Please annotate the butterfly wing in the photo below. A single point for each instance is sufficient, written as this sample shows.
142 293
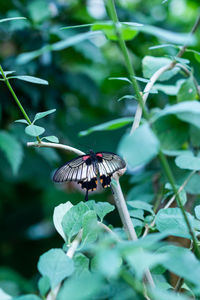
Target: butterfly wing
108 164
80 169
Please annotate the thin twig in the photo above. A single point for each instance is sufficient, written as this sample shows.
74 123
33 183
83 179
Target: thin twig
107 229
56 146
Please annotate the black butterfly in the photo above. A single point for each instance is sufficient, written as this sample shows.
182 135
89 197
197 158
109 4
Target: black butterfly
85 169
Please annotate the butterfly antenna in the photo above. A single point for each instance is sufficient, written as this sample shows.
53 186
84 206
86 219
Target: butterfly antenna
86 195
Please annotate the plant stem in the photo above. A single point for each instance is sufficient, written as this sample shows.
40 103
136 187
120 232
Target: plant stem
117 26
170 177
57 146
16 98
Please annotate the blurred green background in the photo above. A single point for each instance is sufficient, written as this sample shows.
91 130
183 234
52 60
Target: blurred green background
83 96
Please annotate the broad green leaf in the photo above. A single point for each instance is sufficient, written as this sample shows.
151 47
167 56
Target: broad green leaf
110 125
195 136
81 264
193 186
141 205
39 11
12 150
30 79
43 114
102 209
58 214
22 121
4 295
108 28
43 285
182 193
12 19
84 287
34 130
56 265
187 90
166 35
140 260
72 220
188 162
171 220
160 293
176 263
140 147
89 228
168 89
27 297
187 111
151 64
197 211
111 269
51 138
171 132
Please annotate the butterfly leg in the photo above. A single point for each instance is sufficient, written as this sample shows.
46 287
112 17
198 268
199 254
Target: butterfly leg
86 195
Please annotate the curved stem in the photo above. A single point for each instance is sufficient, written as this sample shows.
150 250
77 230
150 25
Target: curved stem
56 146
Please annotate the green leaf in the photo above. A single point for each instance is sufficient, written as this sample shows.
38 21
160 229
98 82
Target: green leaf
171 220
27 297
187 111
43 285
111 269
39 11
187 90
72 220
56 265
4 295
159 293
126 97
89 227
58 214
193 186
61 45
197 211
51 138
34 130
140 260
141 205
12 19
43 114
171 90
84 287
30 79
110 125
171 132
176 263
102 209
12 149
151 64
21 121
81 264
166 35
108 28
120 78
188 162
140 147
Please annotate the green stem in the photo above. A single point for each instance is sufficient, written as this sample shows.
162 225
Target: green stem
170 177
16 98
117 26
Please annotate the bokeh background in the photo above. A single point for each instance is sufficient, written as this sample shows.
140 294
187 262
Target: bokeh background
83 96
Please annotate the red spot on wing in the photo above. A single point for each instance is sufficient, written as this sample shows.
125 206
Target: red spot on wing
86 157
100 155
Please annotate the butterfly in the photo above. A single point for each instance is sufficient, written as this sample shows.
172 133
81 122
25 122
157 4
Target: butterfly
87 169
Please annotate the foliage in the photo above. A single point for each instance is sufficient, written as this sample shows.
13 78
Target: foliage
66 73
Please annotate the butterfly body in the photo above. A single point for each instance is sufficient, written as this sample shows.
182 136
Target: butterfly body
87 169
